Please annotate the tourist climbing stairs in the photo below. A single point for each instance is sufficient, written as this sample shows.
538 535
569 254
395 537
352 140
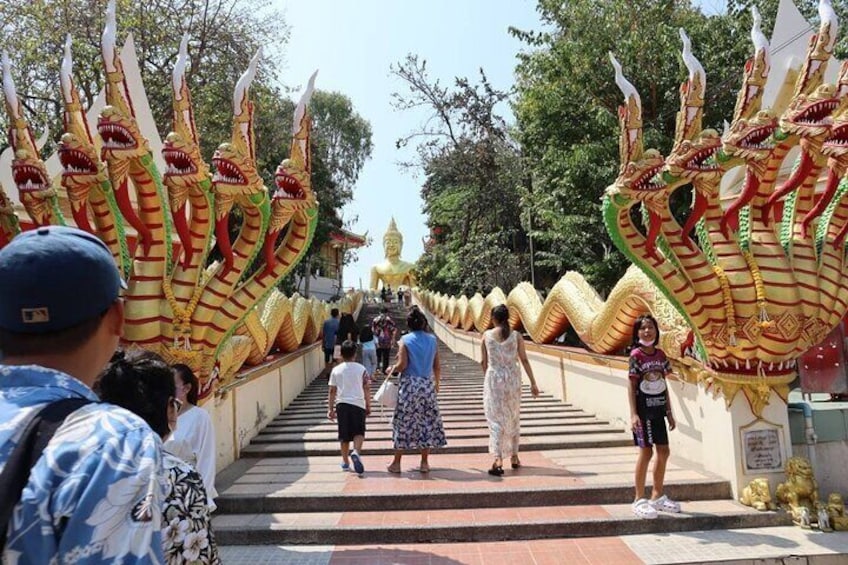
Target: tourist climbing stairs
575 478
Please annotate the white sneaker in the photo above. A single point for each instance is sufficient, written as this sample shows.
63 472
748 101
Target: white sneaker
357 463
642 508
665 504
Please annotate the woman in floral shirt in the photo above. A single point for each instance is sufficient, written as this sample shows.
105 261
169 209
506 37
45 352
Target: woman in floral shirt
143 383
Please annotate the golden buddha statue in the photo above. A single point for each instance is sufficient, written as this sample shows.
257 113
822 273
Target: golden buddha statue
393 272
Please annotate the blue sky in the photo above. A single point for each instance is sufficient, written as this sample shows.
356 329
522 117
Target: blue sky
354 43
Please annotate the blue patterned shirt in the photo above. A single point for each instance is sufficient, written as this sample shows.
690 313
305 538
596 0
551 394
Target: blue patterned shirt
95 495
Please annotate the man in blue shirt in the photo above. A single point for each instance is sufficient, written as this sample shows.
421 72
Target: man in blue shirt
329 331
94 495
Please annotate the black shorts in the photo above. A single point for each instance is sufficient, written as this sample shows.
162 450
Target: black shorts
351 420
653 432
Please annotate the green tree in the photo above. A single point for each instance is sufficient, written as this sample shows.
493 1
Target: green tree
567 102
341 144
223 36
472 188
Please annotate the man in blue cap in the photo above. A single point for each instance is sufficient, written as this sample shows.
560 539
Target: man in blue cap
92 495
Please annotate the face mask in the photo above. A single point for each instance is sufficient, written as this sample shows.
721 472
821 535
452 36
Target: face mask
644 343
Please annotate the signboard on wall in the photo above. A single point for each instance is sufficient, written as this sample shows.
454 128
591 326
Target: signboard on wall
763 449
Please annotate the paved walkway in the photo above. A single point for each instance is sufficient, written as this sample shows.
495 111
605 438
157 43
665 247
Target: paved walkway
750 546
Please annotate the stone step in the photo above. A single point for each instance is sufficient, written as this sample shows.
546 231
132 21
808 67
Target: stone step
475 409
609 438
480 524
478 497
444 403
575 479
310 483
376 422
320 416
384 433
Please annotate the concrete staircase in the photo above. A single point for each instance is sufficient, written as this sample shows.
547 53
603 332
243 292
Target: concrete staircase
575 479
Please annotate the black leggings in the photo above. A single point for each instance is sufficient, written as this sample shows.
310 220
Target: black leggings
383 358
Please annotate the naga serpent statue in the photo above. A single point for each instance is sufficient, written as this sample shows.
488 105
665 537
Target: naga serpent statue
744 293
215 317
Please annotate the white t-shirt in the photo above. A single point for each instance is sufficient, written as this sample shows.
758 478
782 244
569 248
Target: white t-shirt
194 442
348 377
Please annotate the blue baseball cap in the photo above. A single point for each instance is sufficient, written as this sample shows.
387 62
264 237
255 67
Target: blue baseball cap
53 278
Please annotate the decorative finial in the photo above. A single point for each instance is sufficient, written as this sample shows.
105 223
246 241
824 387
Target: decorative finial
109 38
692 64
759 39
827 16
304 102
66 72
244 82
9 88
180 68
624 85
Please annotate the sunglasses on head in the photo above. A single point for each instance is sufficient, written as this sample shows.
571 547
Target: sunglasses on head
176 404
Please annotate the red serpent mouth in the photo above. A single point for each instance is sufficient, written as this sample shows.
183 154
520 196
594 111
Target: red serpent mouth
288 187
227 172
758 138
115 136
178 162
29 178
651 180
75 162
817 113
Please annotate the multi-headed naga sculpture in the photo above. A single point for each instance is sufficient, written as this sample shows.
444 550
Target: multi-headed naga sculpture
211 318
744 293
755 292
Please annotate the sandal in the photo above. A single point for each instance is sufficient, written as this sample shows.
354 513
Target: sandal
665 504
643 509
424 468
393 469
496 470
516 462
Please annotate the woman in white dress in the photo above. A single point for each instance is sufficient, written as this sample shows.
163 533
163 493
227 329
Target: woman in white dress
194 438
501 350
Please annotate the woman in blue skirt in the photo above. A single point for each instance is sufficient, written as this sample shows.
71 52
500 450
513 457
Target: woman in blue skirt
417 424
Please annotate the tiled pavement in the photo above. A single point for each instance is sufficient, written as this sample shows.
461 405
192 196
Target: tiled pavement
751 546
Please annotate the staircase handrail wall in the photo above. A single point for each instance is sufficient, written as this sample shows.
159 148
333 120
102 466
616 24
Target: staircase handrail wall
708 431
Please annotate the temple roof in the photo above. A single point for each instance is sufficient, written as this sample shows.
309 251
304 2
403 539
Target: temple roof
340 236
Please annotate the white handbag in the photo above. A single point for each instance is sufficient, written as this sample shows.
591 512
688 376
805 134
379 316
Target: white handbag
387 394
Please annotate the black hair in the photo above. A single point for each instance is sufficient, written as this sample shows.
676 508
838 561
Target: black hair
334 313
416 319
141 382
500 314
638 324
348 350
347 325
384 310
14 344
188 377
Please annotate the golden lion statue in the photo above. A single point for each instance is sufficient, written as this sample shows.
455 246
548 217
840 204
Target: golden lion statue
800 489
757 495
836 512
